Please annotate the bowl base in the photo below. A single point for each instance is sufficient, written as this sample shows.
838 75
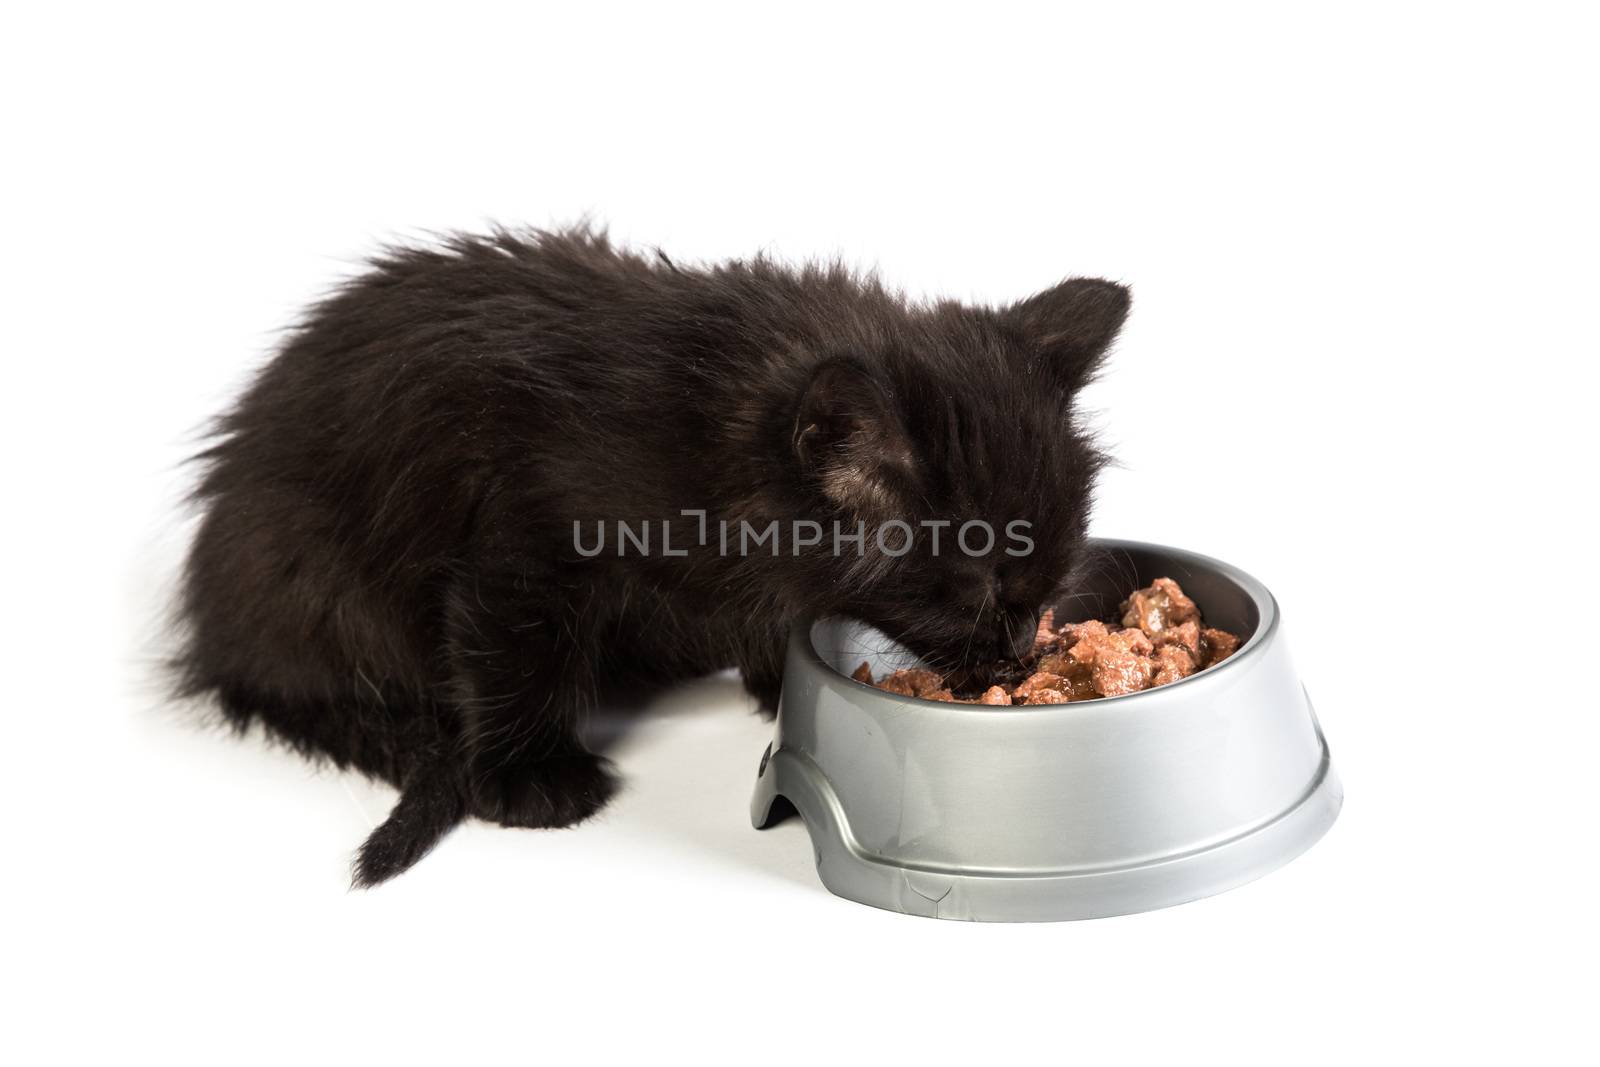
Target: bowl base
855 873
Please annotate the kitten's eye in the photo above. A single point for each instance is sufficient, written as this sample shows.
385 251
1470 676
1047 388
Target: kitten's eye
1029 590
1014 588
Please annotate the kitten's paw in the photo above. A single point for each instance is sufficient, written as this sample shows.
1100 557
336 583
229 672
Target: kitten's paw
549 793
767 691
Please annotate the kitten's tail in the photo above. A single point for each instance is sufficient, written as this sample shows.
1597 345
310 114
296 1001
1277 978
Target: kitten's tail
430 806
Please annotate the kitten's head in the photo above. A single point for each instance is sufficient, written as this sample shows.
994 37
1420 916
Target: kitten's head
960 426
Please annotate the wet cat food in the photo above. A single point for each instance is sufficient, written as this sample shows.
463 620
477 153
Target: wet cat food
1159 637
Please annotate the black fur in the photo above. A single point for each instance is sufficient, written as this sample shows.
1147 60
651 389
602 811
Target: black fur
385 572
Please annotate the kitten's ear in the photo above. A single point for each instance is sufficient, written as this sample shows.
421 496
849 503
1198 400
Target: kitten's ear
850 439
1072 325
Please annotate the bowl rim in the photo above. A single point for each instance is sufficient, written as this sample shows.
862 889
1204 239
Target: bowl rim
1266 607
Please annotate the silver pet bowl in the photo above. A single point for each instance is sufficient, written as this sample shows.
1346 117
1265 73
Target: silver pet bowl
1067 811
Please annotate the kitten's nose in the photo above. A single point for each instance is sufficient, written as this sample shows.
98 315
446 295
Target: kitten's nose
1022 626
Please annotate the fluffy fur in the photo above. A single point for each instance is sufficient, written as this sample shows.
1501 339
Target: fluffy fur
385 572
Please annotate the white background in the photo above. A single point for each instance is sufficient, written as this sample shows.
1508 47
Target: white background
1363 245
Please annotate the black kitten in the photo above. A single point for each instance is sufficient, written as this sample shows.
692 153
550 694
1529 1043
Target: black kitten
397 565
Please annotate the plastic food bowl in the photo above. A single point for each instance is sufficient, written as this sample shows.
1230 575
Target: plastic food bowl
1066 811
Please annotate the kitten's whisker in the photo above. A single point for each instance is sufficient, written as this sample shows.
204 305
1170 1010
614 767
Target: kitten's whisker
976 620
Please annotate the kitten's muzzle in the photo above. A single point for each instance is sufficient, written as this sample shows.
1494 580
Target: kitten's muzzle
1019 629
